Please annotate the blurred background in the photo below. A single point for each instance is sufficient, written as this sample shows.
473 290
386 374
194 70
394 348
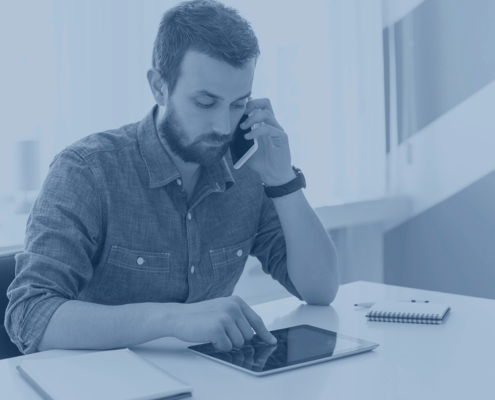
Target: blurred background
388 104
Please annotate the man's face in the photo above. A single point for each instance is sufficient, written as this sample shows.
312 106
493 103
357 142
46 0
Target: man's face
205 108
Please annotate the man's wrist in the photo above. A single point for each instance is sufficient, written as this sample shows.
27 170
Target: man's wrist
166 317
280 180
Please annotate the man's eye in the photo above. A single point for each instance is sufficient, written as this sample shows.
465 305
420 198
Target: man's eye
236 106
204 105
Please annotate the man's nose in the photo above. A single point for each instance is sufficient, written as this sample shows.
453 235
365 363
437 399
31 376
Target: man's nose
221 125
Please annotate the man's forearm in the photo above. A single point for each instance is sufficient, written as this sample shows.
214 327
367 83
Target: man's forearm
81 325
311 255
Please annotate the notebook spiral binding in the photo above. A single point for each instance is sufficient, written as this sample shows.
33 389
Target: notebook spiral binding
404 317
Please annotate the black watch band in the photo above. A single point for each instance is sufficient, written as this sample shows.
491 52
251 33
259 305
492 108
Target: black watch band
278 191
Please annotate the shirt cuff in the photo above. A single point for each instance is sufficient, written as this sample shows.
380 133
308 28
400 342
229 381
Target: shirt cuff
35 323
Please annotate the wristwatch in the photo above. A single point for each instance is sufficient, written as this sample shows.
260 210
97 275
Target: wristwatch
278 191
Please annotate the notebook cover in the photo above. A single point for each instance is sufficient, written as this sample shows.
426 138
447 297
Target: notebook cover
102 375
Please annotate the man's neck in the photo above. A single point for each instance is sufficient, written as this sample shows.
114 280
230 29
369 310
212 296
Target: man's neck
189 171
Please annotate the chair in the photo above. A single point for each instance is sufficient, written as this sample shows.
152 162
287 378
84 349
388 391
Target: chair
7 274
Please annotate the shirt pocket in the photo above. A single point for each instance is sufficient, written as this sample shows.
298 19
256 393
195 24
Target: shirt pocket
132 276
228 264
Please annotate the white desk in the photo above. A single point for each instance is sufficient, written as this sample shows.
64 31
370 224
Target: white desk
449 361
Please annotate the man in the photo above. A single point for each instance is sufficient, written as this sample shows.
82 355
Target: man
143 232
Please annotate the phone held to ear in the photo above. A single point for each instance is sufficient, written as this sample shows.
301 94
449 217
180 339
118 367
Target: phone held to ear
240 148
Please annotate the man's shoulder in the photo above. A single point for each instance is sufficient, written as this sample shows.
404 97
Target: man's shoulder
110 141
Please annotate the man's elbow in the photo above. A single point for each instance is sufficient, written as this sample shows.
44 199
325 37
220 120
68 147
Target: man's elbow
321 299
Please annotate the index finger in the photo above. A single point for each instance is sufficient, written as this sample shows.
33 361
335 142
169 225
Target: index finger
257 323
263 104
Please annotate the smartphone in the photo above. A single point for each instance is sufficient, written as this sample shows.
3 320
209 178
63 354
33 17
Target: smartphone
240 148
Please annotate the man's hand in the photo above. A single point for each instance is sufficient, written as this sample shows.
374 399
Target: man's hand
226 322
272 160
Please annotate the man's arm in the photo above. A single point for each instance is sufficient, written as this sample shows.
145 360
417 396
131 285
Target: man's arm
81 325
62 236
225 322
311 255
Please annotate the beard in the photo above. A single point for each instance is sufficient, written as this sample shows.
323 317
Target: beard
171 130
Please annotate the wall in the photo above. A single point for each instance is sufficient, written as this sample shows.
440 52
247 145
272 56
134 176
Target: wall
74 67
442 125
449 247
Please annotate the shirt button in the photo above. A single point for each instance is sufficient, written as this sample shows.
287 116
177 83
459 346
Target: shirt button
192 269
239 253
140 260
179 182
189 216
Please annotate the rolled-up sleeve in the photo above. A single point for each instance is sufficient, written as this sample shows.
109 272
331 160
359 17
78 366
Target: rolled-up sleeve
62 237
269 246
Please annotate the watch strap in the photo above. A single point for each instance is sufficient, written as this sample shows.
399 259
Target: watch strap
299 182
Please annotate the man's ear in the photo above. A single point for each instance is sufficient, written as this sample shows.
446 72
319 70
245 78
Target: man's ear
158 87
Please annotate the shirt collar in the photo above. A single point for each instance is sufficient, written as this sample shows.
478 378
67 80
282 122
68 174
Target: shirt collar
161 168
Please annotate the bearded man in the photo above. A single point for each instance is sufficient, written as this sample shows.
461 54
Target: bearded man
143 232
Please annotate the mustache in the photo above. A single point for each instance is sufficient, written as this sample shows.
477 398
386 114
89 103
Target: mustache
215 137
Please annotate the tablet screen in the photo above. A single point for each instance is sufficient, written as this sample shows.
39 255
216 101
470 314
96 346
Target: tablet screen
295 345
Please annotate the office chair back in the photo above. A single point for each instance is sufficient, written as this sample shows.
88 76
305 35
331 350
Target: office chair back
7 274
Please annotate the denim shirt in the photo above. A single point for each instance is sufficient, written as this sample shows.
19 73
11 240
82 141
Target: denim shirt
112 226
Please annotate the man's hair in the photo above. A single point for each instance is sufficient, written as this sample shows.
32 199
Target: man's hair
206 26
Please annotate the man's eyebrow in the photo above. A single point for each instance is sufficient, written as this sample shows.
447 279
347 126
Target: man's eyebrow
206 93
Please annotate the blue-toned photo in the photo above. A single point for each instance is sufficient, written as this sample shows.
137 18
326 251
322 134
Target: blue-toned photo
258 199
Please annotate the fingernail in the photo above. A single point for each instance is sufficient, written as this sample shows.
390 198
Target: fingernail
243 125
273 340
246 136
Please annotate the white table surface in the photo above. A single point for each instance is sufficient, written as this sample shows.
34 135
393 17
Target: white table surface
454 360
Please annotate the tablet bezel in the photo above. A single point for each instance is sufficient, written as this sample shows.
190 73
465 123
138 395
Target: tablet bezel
361 347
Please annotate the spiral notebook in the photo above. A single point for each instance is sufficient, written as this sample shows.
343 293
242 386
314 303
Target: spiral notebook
416 313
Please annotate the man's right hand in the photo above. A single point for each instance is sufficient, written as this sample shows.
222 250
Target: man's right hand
225 322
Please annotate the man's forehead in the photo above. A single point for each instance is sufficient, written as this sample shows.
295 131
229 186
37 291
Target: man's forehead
206 75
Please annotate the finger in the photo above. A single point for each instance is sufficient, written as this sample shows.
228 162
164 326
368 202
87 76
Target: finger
268 131
261 117
257 323
221 341
258 103
235 335
244 328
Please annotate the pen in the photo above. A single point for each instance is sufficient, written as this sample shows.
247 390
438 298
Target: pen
401 301
364 304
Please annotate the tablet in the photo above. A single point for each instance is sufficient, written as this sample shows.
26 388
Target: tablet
296 347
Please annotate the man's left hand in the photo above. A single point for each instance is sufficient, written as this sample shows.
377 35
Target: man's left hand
272 160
